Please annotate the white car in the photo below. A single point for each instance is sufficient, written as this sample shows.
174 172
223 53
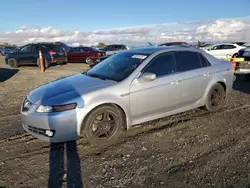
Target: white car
224 50
115 48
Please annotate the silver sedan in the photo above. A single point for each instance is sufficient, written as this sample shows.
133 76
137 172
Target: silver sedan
129 88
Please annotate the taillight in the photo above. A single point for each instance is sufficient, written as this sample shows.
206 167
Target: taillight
99 54
52 52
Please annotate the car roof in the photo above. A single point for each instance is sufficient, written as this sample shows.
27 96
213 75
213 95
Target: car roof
225 44
172 43
151 50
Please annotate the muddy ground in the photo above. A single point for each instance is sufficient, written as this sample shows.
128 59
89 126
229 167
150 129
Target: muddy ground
192 149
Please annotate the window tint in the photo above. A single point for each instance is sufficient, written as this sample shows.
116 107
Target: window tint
26 49
83 50
163 64
57 48
228 47
204 61
246 54
218 47
188 61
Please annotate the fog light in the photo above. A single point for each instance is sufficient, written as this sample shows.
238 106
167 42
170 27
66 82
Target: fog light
49 133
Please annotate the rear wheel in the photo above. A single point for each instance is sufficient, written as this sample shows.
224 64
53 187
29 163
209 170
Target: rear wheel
13 63
215 98
103 126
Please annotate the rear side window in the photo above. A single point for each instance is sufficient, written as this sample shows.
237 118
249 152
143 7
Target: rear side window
162 65
229 47
188 61
246 54
204 61
57 48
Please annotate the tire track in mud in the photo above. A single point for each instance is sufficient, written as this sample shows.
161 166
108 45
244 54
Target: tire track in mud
25 145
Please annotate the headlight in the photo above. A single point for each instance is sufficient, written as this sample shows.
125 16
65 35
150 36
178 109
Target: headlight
56 108
44 109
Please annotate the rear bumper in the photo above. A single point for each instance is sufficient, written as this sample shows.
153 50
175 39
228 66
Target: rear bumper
59 60
242 68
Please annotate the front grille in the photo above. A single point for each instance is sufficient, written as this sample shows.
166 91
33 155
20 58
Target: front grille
26 105
36 130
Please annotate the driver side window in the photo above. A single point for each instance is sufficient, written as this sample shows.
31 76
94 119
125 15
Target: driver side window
26 49
162 65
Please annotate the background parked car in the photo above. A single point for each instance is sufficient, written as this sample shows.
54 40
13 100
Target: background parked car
175 44
29 55
242 60
87 55
8 49
100 59
115 48
224 50
1 52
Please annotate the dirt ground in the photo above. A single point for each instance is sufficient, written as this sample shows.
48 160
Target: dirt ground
192 149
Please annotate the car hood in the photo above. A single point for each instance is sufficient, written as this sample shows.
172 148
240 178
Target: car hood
66 89
11 54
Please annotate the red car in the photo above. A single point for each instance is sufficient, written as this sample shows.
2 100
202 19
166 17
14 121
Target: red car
174 44
84 55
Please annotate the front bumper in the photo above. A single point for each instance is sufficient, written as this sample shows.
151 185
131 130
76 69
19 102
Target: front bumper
65 125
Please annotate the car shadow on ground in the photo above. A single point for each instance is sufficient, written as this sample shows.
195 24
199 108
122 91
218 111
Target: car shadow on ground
242 84
58 175
6 74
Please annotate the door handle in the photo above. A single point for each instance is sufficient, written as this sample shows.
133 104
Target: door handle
174 82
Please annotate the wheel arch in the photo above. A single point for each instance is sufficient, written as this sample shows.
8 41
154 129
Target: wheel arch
216 80
119 107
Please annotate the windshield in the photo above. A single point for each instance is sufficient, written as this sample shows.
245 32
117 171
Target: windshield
117 67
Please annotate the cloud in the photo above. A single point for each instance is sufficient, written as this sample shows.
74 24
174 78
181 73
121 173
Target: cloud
236 29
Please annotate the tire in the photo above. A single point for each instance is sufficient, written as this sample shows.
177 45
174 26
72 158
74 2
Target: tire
104 126
46 63
13 63
215 98
89 61
235 55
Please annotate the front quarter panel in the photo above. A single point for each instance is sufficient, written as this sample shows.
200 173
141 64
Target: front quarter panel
117 95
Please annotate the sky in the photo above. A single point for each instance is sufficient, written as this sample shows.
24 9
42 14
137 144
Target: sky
132 21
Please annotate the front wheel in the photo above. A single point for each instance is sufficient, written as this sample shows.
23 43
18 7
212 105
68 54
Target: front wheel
215 98
89 61
13 63
103 126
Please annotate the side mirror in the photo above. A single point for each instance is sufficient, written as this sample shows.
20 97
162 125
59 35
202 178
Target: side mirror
146 77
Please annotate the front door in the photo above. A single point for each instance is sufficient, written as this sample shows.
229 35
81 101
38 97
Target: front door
28 54
158 96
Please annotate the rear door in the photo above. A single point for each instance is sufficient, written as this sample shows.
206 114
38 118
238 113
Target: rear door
195 70
57 52
228 51
73 55
84 53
